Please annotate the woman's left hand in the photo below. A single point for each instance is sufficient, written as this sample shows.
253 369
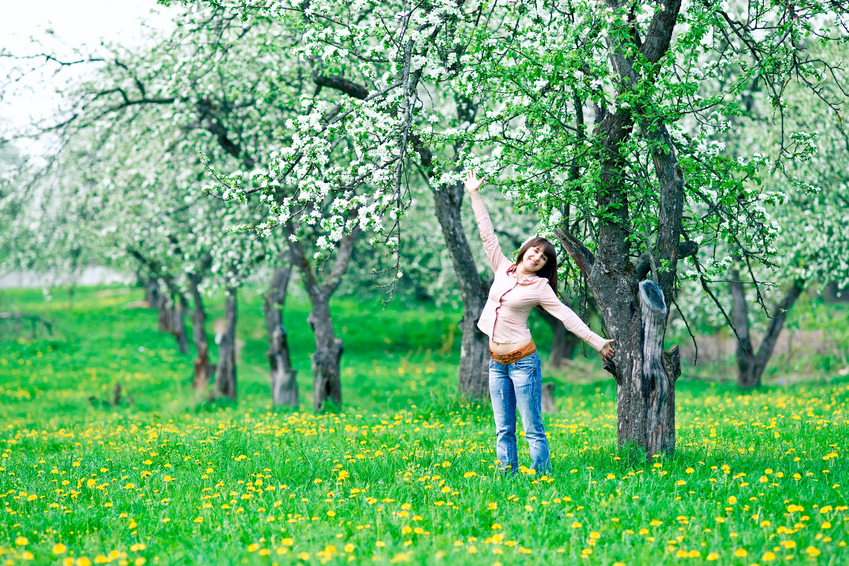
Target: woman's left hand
607 350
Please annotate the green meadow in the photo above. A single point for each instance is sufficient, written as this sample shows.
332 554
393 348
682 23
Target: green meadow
404 472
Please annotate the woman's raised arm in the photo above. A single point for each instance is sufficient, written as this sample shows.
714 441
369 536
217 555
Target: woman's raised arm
490 241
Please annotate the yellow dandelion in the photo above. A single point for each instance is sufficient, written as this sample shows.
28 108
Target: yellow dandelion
59 548
741 552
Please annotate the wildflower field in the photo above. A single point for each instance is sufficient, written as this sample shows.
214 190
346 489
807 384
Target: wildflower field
404 473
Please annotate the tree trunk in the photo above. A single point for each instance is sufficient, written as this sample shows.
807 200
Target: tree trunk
151 292
328 348
178 325
203 369
612 279
740 319
751 365
327 356
225 374
547 402
165 313
563 342
284 386
474 348
610 275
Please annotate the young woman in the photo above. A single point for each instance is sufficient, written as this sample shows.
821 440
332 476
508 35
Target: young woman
515 374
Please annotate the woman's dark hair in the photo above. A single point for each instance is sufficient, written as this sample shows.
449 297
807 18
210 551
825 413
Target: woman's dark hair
549 270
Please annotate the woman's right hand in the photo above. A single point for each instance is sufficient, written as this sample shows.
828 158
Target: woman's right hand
472 182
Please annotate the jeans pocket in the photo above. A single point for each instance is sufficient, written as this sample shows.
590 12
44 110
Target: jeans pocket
525 371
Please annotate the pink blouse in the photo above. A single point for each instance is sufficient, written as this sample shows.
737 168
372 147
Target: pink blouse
505 316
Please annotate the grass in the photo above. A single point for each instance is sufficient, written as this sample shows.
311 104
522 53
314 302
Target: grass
404 474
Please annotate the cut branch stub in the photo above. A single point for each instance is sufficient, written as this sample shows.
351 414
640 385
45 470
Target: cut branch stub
655 383
653 310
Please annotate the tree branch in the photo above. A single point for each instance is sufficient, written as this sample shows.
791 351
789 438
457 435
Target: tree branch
576 250
343 258
342 84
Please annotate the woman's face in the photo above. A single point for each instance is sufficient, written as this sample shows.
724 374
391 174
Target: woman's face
534 259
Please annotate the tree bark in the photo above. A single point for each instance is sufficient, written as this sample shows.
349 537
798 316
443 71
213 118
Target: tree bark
751 365
225 374
151 292
284 386
328 348
740 318
178 325
165 314
656 384
203 369
547 402
473 375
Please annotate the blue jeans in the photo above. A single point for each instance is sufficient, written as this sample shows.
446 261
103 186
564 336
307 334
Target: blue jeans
518 385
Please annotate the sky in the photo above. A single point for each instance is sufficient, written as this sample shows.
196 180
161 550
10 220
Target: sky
74 23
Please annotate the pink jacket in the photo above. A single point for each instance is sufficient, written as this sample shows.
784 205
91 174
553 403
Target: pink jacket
505 316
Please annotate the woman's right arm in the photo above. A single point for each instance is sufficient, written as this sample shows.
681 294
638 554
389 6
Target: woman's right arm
487 233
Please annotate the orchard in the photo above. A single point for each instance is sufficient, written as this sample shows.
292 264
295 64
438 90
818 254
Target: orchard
299 371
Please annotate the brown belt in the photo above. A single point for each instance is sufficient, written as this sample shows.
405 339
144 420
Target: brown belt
515 355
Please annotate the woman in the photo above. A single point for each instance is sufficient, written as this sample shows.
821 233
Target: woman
515 373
